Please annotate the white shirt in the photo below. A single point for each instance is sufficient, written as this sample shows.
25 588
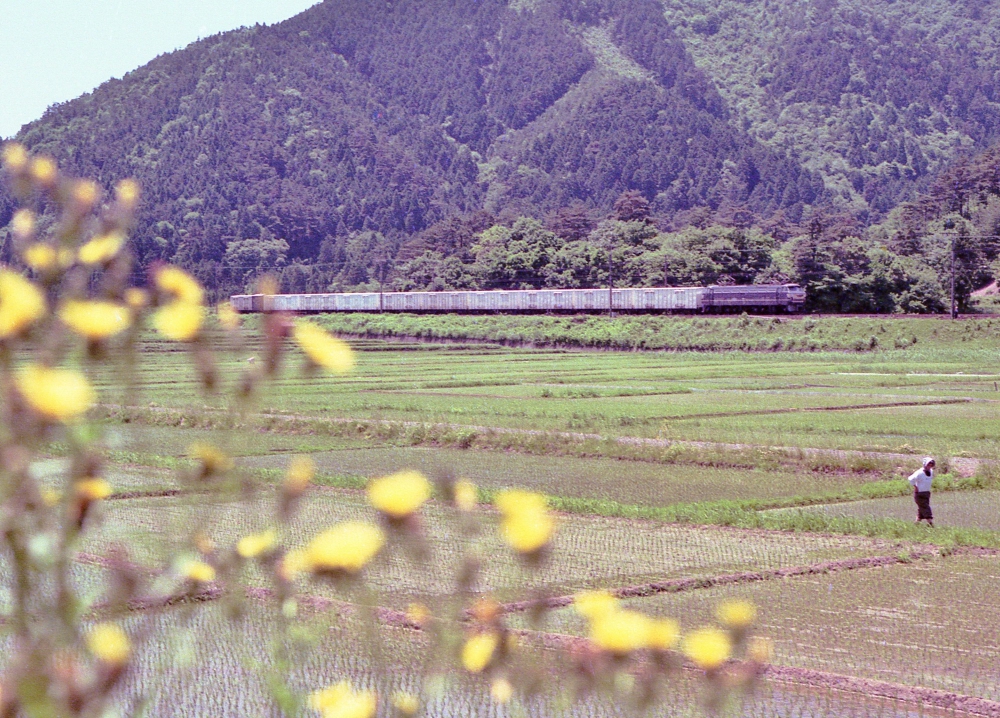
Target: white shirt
921 481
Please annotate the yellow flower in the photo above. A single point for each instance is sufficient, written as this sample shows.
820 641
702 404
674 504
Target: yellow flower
254 545
108 643
14 157
348 546
736 614
418 613
21 303
179 321
179 284
92 489
594 604
620 631
94 319
406 703
23 223
56 394
399 495
664 634
322 348
101 249
341 701
85 193
203 542
501 691
40 256
466 495
136 298
526 524
127 193
708 648
514 501
760 649
478 651
229 318
197 571
43 170
213 460
293 563
300 474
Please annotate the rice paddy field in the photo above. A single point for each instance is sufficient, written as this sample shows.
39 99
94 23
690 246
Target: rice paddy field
680 479
972 509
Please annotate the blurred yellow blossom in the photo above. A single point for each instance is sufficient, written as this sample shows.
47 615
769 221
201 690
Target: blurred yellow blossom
50 496
736 614
179 285
664 633
23 223
179 321
197 571
85 193
486 609
418 613
229 318
108 643
708 648
293 563
322 348
56 394
760 649
466 495
593 604
213 460
92 489
620 631
254 545
478 651
341 701
136 298
406 703
348 546
21 303
501 691
127 193
203 542
40 256
400 494
94 319
526 525
14 157
101 249
43 170
300 474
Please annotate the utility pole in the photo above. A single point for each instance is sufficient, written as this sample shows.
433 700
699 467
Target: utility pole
611 282
954 311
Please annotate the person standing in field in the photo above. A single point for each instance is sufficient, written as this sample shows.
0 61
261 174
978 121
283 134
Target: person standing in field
921 481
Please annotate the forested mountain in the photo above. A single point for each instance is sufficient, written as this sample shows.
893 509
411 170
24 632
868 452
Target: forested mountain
366 140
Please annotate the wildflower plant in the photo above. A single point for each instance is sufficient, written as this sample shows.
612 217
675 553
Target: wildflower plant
73 310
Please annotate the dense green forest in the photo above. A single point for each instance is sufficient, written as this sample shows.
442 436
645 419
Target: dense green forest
481 143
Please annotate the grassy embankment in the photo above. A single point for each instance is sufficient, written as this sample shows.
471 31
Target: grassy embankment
701 333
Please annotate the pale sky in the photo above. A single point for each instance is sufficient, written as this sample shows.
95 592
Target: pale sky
54 50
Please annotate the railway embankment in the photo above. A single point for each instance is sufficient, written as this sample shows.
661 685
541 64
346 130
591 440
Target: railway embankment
760 333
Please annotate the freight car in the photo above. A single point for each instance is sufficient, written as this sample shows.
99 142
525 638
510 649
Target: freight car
754 298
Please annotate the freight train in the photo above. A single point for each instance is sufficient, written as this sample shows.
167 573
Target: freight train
717 299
